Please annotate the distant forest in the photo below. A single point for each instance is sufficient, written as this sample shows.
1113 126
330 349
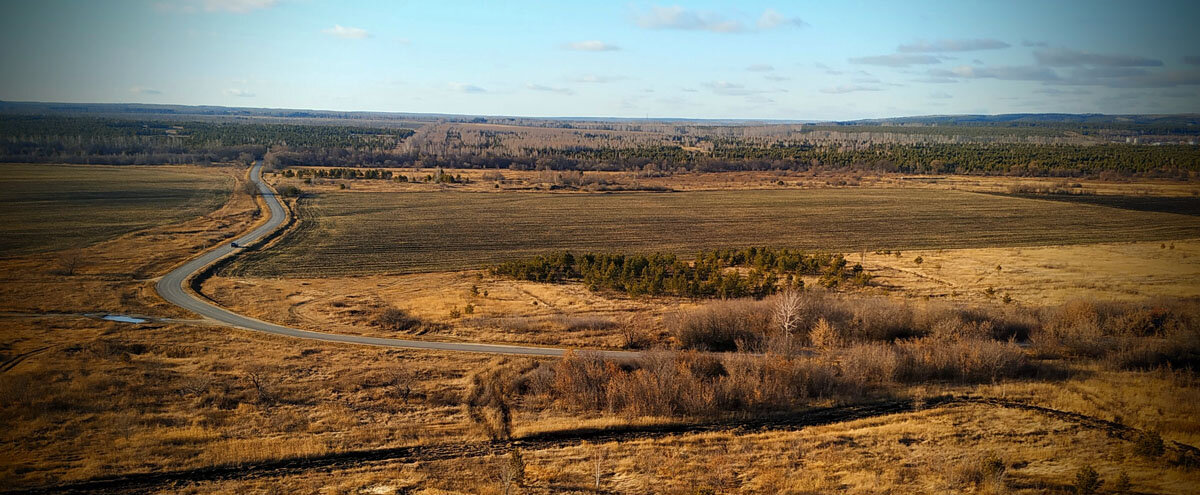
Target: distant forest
1062 149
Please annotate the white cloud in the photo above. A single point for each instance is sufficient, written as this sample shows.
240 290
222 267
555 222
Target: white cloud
346 32
238 6
1008 73
592 46
772 19
897 60
848 88
548 89
239 93
726 88
234 6
676 17
953 45
466 88
595 79
941 95
142 90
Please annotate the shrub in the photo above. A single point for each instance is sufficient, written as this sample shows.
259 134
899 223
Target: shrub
1149 445
684 383
1126 336
824 336
723 326
489 398
870 363
396 320
578 323
979 470
1087 481
961 360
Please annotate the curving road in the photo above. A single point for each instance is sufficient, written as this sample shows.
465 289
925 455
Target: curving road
172 288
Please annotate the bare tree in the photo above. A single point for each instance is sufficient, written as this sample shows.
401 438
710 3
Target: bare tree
69 261
787 311
598 456
263 387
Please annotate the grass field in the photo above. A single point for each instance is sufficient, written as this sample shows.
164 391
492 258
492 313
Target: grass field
52 207
368 232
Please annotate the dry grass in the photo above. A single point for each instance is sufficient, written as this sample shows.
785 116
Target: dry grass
404 233
933 451
110 398
502 310
1043 275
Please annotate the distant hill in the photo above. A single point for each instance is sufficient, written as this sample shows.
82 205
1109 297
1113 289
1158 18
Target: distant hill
1170 123
1035 119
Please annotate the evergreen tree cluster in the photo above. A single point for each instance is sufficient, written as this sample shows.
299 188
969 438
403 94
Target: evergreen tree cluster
724 273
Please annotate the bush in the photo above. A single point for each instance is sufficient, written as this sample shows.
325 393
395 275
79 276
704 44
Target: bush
724 326
824 335
1149 445
920 360
979 470
683 383
396 320
1087 481
490 398
1126 336
959 360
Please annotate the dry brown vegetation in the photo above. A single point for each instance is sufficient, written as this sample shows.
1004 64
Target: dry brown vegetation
105 398
81 398
1125 271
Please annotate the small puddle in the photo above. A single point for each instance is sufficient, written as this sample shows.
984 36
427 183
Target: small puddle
123 319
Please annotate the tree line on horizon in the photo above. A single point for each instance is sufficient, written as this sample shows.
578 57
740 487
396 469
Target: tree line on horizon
116 141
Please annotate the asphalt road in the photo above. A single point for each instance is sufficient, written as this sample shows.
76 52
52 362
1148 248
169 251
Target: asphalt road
171 287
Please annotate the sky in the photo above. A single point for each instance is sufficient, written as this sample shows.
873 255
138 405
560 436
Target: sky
826 60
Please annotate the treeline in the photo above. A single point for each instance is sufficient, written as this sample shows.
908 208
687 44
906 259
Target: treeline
1032 160
438 176
982 159
713 274
32 138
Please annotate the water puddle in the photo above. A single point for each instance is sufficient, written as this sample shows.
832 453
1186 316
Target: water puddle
123 319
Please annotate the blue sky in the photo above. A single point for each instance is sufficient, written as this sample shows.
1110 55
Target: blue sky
769 60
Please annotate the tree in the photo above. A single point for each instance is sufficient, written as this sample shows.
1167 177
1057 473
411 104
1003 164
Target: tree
69 261
787 311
